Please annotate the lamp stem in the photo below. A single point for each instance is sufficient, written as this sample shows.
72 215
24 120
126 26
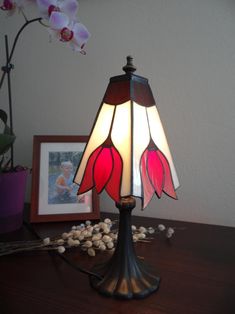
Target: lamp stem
125 276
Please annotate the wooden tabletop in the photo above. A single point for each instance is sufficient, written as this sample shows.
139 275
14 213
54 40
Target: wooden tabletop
196 266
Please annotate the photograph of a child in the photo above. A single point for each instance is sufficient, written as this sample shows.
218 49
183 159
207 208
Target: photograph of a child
61 189
56 159
64 185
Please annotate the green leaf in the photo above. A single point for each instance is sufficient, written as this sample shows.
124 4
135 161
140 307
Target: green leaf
6 141
3 116
7 130
6 138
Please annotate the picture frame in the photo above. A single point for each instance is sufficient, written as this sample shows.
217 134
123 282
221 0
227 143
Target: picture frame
54 195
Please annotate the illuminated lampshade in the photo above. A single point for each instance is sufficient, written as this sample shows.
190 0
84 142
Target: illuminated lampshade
127 155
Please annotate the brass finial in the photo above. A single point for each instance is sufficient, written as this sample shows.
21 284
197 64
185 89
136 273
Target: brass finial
129 67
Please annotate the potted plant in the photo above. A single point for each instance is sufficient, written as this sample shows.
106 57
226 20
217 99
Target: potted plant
59 17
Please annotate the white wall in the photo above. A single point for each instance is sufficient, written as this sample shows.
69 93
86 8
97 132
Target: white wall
187 50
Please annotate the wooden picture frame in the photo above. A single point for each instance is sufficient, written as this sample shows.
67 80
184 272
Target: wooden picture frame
54 195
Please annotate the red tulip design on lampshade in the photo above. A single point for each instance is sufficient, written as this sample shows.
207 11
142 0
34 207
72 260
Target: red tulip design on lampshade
127 153
103 170
156 175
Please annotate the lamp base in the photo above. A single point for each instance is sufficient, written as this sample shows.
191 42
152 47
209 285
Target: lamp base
125 276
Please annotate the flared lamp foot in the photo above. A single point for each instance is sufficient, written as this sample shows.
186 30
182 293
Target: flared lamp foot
135 282
125 276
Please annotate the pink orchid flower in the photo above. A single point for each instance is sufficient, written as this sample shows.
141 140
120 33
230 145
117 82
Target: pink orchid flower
156 174
11 5
69 7
7 5
103 171
76 34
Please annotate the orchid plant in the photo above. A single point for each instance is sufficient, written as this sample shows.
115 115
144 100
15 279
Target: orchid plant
60 19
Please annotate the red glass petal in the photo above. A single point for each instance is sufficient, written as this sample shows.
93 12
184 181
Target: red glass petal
148 189
155 171
168 187
103 168
114 184
87 180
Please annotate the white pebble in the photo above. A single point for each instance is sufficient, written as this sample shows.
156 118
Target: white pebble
96 229
76 242
108 221
102 225
76 234
96 243
90 228
113 236
60 242
81 237
142 230
84 233
81 227
88 222
91 252
151 230
133 227
135 237
106 230
161 227
70 242
110 245
106 238
65 235
170 232
89 234
61 249
87 244
46 241
141 236
74 228
102 247
96 237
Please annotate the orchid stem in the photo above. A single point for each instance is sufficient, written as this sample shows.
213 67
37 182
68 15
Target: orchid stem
7 70
14 45
22 11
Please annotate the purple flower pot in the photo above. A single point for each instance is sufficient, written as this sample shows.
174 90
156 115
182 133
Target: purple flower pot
12 194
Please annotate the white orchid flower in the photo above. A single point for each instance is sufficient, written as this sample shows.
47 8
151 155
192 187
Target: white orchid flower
74 33
46 7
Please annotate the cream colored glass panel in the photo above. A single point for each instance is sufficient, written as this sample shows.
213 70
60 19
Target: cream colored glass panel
141 138
98 136
159 137
121 137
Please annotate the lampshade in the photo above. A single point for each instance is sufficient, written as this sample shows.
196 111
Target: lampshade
127 153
